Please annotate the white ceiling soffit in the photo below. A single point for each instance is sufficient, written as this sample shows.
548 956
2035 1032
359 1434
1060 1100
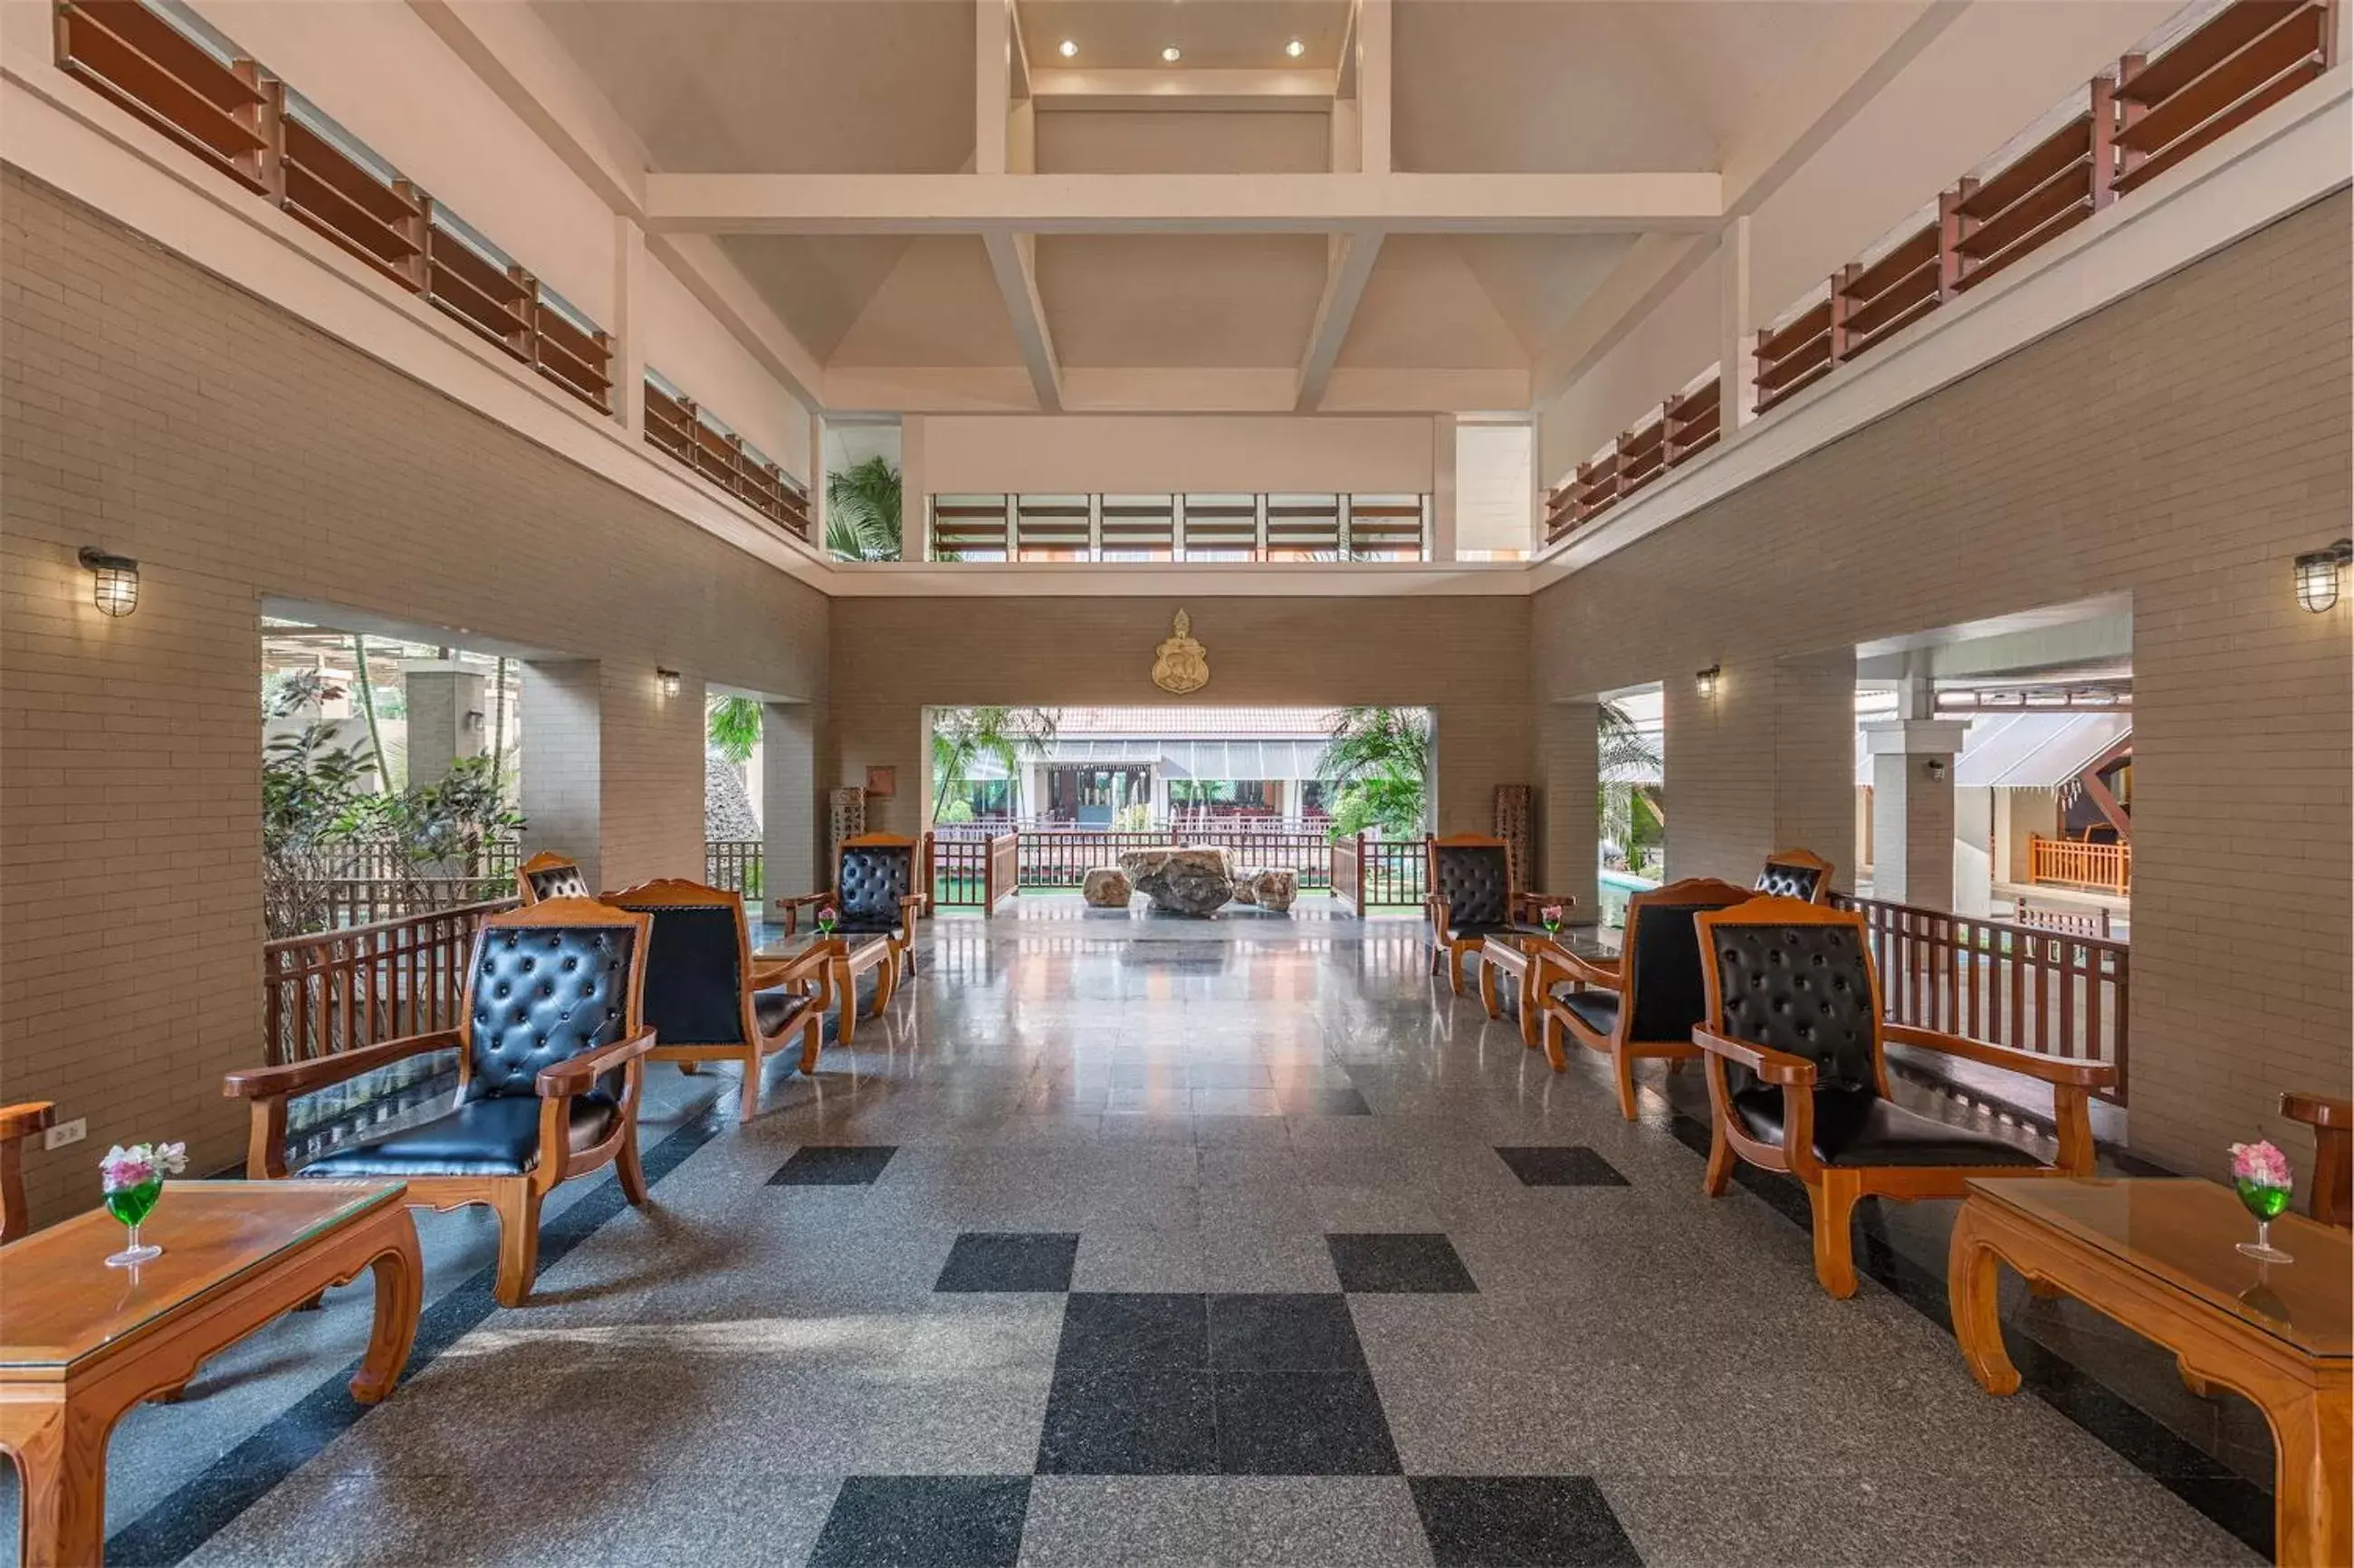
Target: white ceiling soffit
2024 751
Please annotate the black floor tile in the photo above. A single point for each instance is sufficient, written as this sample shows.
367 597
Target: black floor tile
1129 1419
953 1522
1520 1521
1561 1166
1009 1261
1297 1333
1302 1424
834 1165
1134 1330
1383 1262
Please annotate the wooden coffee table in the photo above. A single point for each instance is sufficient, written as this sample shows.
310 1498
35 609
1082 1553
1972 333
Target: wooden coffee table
81 1343
845 957
2159 1256
1516 953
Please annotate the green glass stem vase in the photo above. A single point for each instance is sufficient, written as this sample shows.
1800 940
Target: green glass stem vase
131 1205
2266 1203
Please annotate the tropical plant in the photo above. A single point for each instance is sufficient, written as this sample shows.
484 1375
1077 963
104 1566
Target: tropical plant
1376 769
1628 811
861 512
446 828
366 682
733 727
312 796
963 736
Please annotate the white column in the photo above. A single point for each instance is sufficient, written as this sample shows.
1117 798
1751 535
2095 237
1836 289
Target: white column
1738 390
817 477
1374 86
993 83
628 364
1912 810
915 509
1442 487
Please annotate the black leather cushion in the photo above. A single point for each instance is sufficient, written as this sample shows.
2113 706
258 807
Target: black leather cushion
558 882
1671 987
867 927
1856 1127
695 988
1780 881
1476 880
1805 990
1494 929
774 1009
493 1136
545 994
874 879
1598 1009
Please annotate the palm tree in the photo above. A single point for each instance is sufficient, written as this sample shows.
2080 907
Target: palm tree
963 736
732 729
1621 745
1627 811
1377 764
861 512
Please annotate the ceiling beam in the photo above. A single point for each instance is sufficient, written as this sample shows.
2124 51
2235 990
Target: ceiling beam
1082 204
1013 260
1346 270
1213 89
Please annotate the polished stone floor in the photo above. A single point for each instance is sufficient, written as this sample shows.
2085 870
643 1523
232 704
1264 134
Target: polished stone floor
1147 1241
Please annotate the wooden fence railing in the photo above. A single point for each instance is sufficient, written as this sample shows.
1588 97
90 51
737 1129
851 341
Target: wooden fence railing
335 990
2138 119
364 901
1349 869
1005 868
1220 526
2070 863
736 864
1391 873
2053 993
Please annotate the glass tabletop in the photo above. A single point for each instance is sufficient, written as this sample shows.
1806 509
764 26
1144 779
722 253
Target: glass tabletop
63 1303
2186 1233
1586 938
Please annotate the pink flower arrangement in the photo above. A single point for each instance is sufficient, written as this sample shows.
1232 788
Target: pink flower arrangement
1550 915
826 916
123 1169
2262 1165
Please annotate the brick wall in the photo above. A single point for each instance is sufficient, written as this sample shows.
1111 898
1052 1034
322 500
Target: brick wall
150 407
2180 446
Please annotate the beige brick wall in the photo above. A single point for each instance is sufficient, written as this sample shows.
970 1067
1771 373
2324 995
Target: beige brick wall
148 407
2180 446
1460 657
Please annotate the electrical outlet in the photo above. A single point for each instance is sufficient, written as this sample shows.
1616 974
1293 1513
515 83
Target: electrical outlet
66 1132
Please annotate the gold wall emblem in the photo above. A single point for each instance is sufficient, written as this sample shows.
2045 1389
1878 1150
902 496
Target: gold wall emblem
1181 664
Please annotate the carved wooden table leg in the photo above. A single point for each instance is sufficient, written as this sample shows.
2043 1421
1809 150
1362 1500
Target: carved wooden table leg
845 986
1488 989
1531 1003
60 1453
399 1271
1971 1279
2310 1523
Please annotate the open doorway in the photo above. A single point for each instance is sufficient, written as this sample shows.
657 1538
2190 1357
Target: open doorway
734 830
1632 836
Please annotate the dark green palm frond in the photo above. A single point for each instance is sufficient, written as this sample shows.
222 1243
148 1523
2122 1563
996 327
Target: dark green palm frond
733 727
862 510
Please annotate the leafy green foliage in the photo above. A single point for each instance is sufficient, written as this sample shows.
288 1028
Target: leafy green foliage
444 828
861 512
733 727
1376 768
961 737
1628 814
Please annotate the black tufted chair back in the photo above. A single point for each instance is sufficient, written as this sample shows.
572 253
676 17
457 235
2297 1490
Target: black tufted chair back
873 878
1670 989
694 976
1476 880
544 994
1803 987
1783 879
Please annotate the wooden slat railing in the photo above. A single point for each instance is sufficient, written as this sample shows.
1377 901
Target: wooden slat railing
2052 993
738 864
679 428
367 900
973 863
1204 527
2072 863
1348 870
1004 868
1393 873
336 990
958 876
2139 119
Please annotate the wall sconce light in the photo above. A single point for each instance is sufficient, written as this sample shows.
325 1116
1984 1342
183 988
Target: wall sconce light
669 680
1936 770
115 581
1704 682
2318 573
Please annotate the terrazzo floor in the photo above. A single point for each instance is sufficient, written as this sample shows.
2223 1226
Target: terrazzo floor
1146 1241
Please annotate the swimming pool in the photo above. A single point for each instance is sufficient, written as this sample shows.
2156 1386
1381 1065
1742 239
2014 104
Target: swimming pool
1614 888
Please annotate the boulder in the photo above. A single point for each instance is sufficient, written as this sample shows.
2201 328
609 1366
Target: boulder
1107 887
1189 881
1245 887
1273 890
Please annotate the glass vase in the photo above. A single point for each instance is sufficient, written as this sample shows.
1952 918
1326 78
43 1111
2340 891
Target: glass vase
2266 1203
131 1205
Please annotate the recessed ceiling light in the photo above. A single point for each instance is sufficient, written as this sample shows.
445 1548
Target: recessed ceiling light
1170 54
1067 49
1295 48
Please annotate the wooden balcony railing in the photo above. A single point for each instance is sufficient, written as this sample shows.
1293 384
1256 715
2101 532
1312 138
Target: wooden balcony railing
973 870
678 428
2070 863
336 990
246 124
1206 527
2053 993
2137 120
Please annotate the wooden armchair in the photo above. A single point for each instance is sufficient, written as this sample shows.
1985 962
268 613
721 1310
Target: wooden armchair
550 1062
1471 896
704 999
1645 1005
877 891
17 1123
1797 1082
1796 874
548 874
2332 1197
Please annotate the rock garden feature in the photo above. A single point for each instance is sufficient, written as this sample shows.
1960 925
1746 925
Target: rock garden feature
1272 891
1107 887
1190 881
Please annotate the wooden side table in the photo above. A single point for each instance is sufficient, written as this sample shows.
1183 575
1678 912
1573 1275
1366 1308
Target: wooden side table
2161 1257
81 1343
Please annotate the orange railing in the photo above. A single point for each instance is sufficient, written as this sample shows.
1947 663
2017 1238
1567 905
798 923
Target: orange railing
2072 863
680 429
334 991
2142 117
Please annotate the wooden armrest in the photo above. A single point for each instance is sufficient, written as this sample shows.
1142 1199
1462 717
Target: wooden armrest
299 1077
578 1075
26 1119
1771 1066
2059 1070
1436 907
2314 1110
1585 970
1539 900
